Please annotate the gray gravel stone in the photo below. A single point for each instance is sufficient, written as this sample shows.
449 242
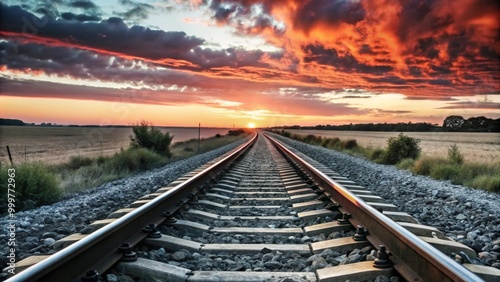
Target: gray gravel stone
112 278
49 241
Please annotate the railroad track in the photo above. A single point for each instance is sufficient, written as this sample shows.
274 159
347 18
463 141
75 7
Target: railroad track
258 213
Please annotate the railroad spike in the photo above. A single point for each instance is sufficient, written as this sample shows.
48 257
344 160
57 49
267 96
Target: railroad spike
382 260
91 276
152 231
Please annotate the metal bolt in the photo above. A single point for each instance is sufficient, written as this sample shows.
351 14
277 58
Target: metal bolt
91 276
322 197
334 206
360 234
382 260
152 230
128 254
319 192
170 218
345 219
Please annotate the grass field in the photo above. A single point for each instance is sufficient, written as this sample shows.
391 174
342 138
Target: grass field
476 147
53 145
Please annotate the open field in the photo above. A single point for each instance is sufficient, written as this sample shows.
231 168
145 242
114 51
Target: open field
476 147
53 145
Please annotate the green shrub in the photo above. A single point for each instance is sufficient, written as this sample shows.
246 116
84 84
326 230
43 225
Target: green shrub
75 162
236 132
286 134
454 155
313 140
218 135
334 143
401 147
349 144
35 185
149 137
330 143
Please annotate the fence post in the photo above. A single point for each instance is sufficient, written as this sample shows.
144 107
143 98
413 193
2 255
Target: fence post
199 136
10 156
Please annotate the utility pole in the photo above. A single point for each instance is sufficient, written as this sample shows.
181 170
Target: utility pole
199 136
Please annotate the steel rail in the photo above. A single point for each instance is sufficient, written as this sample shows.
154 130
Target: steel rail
94 251
426 261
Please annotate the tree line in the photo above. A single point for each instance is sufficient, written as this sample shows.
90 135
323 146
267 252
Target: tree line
450 124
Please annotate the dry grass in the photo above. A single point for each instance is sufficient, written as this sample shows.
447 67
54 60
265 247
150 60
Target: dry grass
55 145
475 147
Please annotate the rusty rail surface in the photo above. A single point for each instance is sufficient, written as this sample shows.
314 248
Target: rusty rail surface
422 259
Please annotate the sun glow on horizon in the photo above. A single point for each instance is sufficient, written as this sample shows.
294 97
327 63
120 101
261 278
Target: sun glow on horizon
251 125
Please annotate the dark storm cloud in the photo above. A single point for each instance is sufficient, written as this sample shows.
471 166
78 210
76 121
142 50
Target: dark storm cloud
111 35
83 4
80 17
332 12
390 79
345 62
114 37
243 17
222 14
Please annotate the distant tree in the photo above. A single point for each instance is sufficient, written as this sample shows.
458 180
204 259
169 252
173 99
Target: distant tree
454 122
8 121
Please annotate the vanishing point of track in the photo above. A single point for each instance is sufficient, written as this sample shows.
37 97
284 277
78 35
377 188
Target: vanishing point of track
280 203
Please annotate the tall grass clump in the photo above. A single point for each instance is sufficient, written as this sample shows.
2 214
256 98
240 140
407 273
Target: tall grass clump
486 182
376 154
401 147
454 155
75 162
424 164
34 186
149 137
135 159
350 144
405 163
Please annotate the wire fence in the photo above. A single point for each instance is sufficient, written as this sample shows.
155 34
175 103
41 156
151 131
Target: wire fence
53 154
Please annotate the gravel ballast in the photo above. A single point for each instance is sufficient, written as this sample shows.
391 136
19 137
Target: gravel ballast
467 215
38 228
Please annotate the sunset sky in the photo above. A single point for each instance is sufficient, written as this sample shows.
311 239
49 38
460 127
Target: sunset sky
271 63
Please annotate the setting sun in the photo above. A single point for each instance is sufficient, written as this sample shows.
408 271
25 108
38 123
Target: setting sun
251 125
